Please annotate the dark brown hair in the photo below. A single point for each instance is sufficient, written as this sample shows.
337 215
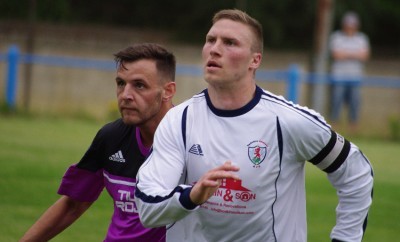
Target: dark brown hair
165 60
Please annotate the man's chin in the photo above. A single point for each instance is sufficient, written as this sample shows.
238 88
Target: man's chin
131 120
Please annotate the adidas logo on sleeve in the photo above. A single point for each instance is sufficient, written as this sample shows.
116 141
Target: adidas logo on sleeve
117 157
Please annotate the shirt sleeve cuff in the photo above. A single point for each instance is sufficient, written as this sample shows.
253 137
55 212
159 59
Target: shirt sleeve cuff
184 199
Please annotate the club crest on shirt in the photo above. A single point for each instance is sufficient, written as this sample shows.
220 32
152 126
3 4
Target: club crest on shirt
257 151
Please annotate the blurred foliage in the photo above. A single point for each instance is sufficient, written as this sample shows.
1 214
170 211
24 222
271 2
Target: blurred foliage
287 23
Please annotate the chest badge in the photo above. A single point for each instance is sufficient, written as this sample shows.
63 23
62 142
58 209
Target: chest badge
257 151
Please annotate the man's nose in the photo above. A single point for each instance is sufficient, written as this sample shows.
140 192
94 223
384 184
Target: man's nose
127 92
215 47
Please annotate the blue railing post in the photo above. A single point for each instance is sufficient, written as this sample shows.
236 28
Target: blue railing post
293 82
12 76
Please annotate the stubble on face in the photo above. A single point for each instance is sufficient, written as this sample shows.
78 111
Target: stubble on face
140 93
148 111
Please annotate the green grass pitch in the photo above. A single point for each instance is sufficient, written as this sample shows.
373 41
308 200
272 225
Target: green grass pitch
35 152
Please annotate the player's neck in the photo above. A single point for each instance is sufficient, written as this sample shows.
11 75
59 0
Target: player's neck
146 136
231 98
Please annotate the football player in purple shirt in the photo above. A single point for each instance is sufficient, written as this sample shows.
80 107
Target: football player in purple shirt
145 87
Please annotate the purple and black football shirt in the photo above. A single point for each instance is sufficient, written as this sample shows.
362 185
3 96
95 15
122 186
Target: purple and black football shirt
112 161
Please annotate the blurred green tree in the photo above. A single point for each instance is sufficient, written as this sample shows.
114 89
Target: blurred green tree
287 23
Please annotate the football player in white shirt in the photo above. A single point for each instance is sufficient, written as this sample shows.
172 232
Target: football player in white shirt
228 164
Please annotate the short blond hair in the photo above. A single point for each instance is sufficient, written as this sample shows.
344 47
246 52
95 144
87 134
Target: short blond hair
242 17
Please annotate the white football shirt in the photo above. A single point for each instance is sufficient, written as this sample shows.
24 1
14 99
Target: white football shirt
269 139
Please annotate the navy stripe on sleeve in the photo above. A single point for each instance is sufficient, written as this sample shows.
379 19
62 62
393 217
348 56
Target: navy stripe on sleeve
184 197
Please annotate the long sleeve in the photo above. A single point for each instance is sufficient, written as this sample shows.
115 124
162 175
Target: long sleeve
354 183
348 170
159 197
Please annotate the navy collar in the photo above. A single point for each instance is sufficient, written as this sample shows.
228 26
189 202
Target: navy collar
236 112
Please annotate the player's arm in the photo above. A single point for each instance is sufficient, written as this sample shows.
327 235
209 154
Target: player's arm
55 219
166 206
350 172
210 182
157 182
353 181
161 195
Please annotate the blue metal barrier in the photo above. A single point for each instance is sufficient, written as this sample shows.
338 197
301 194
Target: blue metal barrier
292 76
12 76
376 81
293 81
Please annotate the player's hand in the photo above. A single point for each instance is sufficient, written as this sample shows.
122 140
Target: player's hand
211 181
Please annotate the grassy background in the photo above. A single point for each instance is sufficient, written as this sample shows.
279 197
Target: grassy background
36 151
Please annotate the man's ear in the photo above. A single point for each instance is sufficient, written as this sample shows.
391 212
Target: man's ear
169 91
256 60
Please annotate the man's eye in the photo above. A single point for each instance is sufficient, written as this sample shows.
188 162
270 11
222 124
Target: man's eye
139 85
229 42
210 40
120 83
